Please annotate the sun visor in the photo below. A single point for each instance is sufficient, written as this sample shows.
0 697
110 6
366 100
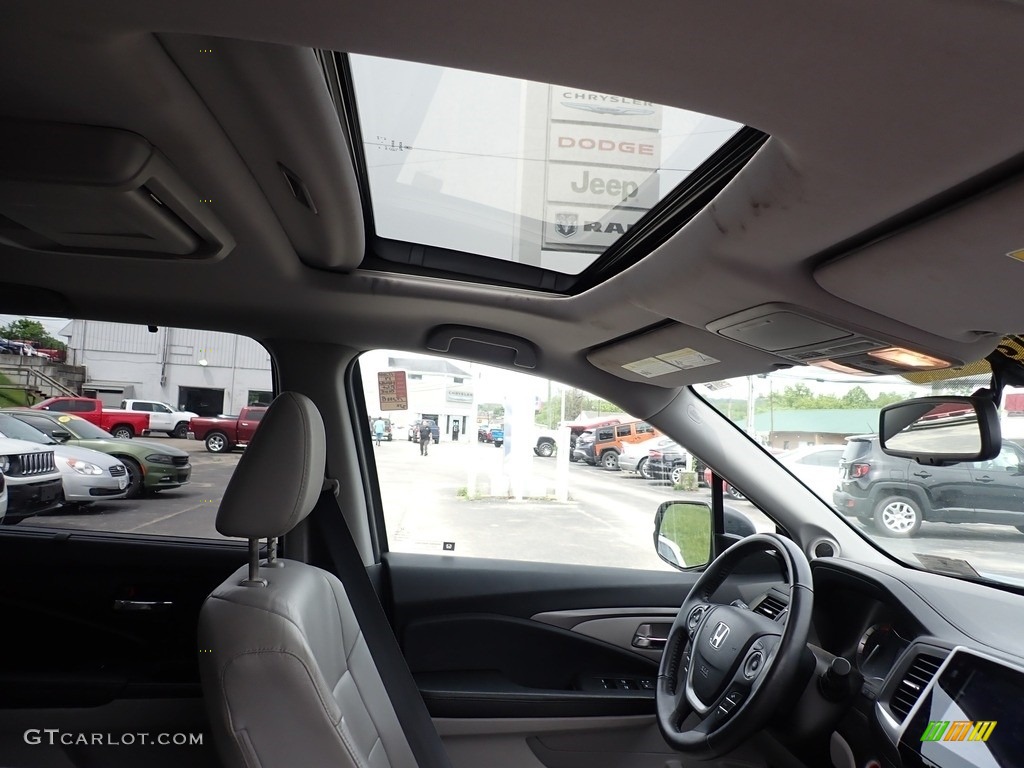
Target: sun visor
953 275
91 190
678 355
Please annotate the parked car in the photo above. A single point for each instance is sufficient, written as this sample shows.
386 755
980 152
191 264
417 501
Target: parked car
609 442
635 456
388 429
225 433
162 418
414 430
33 483
731 491
817 466
483 434
577 428
123 425
667 462
896 495
86 475
583 448
497 435
151 465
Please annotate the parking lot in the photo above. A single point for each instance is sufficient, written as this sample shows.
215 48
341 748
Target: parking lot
187 511
427 504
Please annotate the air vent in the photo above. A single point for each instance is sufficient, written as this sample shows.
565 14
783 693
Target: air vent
770 606
916 679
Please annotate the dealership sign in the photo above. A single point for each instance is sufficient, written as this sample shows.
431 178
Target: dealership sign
394 392
603 156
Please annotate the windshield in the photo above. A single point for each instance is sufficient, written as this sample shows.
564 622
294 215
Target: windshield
17 430
964 519
82 429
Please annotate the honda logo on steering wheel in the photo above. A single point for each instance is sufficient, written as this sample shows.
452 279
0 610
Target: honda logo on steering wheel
721 632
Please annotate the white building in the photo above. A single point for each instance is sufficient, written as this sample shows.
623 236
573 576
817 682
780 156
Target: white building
200 371
438 389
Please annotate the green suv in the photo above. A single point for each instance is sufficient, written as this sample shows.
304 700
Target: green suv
151 465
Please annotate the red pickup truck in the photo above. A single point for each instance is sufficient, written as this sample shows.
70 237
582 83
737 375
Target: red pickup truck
222 433
121 424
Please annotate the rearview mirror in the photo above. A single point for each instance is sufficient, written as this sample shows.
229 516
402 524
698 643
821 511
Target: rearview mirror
941 430
682 533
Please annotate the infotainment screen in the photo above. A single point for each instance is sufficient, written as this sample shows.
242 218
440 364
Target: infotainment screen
971 717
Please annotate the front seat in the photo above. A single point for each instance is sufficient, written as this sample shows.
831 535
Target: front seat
287 672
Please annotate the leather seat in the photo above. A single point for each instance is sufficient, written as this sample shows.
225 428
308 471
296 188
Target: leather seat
287 673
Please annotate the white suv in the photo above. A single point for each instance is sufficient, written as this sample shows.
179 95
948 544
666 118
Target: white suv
34 483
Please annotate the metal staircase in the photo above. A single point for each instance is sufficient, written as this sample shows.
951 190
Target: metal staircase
34 382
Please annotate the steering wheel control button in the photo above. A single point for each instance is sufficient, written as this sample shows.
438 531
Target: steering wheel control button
694 619
730 702
753 665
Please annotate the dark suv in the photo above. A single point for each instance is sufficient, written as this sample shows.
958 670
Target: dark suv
898 494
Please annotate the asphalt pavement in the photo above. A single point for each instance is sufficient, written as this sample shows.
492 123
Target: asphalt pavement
188 511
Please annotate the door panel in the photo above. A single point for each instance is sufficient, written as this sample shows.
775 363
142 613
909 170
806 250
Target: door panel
510 656
80 639
517 635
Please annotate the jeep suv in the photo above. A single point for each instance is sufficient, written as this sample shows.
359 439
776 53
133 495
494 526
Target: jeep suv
897 494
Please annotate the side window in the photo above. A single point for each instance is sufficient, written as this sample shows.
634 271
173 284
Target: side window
643 428
470 497
158 486
255 415
61 405
623 430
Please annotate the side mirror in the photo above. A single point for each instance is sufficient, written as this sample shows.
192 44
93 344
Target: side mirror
682 533
941 430
60 435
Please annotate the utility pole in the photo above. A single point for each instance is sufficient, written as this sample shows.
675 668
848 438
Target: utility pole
751 398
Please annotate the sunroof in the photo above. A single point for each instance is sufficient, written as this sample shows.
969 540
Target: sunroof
545 175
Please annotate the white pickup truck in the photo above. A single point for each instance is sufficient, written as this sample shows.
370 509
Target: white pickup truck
162 418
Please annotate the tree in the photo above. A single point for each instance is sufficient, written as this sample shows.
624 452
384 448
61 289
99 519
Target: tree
576 401
30 330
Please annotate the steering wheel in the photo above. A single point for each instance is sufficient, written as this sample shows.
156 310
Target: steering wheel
728 665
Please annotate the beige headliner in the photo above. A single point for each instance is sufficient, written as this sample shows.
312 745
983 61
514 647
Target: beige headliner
874 108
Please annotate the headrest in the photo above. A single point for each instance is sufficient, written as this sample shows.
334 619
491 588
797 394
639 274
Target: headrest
279 477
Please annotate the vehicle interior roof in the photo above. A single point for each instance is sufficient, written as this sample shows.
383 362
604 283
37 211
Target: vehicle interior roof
885 200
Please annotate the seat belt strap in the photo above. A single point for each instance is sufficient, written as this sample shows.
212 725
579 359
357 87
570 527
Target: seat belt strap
405 697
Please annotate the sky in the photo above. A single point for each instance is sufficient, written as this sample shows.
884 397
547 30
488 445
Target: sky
53 325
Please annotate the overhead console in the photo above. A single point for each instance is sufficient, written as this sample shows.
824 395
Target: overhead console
801 339
91 190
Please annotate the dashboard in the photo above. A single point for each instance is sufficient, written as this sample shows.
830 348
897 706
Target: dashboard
936 667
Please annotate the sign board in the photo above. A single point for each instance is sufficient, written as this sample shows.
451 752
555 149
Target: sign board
394 393
458 395
603 157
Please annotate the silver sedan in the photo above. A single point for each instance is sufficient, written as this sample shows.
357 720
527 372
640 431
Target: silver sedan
90 475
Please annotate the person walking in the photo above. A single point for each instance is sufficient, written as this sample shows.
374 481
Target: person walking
426 435
378 429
